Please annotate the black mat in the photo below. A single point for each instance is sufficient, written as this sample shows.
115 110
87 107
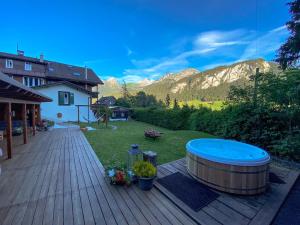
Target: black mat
273 178
188 190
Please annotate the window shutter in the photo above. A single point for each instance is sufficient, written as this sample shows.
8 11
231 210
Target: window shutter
71 98
60 98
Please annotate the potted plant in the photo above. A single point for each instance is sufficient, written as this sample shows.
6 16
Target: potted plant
117 173
118 176
145 172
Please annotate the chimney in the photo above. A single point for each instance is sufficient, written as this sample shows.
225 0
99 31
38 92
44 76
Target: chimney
86 76
86 73
20 52
41 57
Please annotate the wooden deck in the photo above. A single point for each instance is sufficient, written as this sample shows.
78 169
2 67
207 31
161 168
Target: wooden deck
57 179
233 209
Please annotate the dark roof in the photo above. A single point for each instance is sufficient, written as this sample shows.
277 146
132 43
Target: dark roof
69 84
21 57
10 88
70 72
107 100
119 108
56 70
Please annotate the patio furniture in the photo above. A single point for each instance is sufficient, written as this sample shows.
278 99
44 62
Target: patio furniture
154 134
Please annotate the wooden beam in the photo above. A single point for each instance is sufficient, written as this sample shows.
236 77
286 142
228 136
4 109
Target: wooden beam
33 119
78 120
38 116
24 120
8 115
17 101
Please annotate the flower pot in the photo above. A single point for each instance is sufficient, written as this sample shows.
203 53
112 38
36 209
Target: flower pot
146 183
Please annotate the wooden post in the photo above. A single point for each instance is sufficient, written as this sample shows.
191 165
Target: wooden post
38 116
89 99
78 120
33 119
8 129
24 120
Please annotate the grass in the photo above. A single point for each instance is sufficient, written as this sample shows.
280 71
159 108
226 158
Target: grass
109 143
216 105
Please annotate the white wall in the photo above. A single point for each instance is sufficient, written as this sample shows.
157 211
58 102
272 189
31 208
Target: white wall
49 110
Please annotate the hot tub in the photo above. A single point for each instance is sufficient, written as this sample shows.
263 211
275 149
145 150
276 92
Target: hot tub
228 166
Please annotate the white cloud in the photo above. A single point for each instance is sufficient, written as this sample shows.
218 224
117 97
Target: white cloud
216 39
265 44
129 51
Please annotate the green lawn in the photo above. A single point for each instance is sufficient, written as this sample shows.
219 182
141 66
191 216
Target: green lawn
216 105
109 143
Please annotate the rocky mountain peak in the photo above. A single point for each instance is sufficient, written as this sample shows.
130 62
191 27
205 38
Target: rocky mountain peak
145 82
111 82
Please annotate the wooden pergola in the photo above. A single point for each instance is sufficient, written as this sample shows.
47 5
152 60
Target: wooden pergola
28 100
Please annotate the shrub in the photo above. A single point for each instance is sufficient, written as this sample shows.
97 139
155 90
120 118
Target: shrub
144 169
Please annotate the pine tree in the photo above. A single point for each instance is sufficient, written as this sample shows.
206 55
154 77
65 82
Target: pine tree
289 53
176 106
125 91
168 100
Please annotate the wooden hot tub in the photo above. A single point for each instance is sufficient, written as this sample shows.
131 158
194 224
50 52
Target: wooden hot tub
228 166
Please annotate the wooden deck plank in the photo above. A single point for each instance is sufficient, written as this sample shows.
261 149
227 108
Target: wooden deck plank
77 208
152 207
132 206
181 216
49 211
141 204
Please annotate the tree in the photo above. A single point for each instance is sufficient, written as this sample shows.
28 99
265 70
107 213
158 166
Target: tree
289 53
125 92
168 100
176 105
141 99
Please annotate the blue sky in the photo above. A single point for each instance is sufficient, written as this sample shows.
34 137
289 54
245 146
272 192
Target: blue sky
137 39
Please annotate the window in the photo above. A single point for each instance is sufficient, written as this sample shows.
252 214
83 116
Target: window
25 81
30 81
65 98
76 74
27 66
33 81
9 64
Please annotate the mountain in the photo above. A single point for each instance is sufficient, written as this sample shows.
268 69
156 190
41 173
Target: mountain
112 87
191 84
208 85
